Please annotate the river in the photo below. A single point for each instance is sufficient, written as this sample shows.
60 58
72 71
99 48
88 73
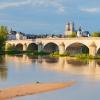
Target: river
22 69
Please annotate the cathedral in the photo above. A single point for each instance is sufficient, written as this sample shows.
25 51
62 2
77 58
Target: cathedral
70 29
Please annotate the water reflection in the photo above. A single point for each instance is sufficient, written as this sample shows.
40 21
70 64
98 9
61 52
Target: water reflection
3 69
90 68
77 63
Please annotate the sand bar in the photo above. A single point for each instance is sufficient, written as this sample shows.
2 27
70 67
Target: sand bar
31 89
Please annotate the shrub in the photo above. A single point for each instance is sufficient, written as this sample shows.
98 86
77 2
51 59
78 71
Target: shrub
65 54
73 35
95 34
81 56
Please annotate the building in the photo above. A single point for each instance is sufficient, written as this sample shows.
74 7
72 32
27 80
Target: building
20 36
85 34
69 29
79 32
13 35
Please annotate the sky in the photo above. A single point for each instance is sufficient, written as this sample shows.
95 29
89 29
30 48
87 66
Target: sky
49 16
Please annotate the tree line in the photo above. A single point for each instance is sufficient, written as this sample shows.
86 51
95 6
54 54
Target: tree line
3 37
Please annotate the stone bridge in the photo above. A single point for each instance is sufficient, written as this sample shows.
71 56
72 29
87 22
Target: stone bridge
72 45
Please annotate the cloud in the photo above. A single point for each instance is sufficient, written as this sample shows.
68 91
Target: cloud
35 3
4 5
91 10
59 6
49 3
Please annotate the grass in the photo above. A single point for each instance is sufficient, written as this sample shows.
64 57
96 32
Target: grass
54 54
31 53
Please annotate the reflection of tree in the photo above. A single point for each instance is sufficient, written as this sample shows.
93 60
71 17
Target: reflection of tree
3 72
33 58
3 69
19 55
2 61
51 60
98 62
77 62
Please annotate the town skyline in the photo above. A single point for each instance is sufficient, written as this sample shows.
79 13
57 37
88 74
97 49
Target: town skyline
49 16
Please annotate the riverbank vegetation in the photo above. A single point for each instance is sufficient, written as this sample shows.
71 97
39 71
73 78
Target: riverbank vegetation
95 34
77 56
30 53
3 38
54 54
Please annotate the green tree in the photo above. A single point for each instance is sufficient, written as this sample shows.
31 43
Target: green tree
3 37
73 34
95 34
10 47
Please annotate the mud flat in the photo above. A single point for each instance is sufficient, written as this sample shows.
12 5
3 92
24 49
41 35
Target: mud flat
30 89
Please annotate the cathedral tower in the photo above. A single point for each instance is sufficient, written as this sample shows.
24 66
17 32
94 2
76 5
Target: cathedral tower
69 29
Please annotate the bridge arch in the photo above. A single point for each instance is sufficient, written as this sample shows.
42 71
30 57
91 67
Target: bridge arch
77 48
51 47
32 47
19 47
98 51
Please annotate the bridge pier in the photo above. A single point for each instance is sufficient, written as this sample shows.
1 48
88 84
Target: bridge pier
93 49
62 48
24 47
92 66
40 47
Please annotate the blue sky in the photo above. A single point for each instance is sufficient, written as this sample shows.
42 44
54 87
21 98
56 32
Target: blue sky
49 16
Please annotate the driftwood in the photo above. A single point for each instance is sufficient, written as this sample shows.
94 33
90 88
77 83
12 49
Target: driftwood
31 89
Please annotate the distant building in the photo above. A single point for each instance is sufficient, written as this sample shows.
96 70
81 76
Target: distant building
79 32
31 36
69 29
13 35
20 36
85 34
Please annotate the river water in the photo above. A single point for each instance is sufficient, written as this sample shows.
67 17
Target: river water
22 69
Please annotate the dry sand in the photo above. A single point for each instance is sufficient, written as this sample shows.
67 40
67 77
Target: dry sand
31 89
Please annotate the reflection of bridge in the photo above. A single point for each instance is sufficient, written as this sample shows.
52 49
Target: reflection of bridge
58 44
72 66
63 65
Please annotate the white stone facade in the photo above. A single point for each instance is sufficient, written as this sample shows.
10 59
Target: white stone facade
69 29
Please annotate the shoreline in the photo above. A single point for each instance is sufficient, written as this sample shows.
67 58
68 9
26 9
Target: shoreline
30 53
31 89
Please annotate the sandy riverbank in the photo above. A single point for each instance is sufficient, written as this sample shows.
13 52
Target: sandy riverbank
31 89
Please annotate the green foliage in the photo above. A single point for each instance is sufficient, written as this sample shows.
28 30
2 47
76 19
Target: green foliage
56 53
82 56
92 57
85 50
60 55
86 56
65 54
35 53
10 47
3 37
13 52
95 34
73 35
